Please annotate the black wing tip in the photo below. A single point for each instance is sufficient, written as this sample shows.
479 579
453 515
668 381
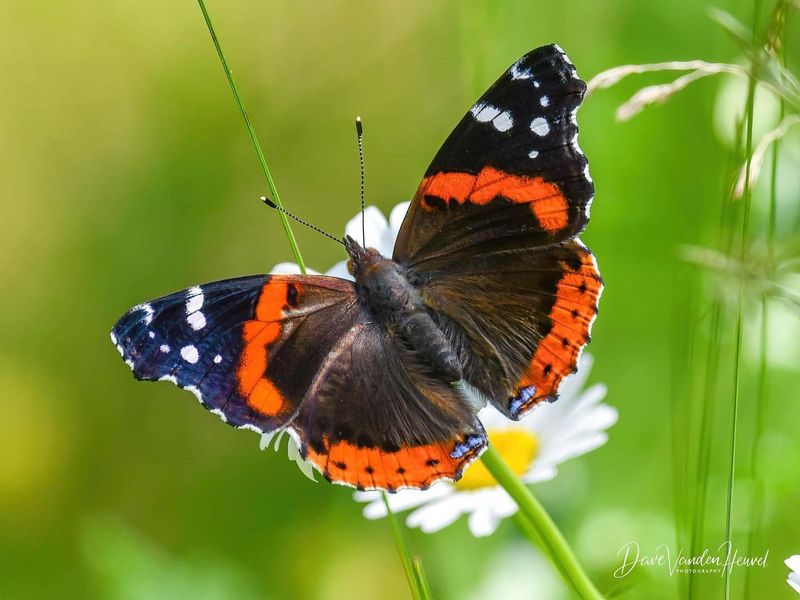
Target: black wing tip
550 57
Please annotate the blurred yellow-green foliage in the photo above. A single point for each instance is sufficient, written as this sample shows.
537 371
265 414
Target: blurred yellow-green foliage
126 173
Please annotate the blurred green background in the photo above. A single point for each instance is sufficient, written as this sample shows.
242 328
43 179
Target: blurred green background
126 173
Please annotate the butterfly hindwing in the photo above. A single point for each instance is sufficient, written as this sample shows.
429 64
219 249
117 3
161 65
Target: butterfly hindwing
379 418
520 319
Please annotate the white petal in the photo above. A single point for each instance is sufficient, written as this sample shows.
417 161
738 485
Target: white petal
560 423
494 419
503 504
572 384
339 270
794 581
396 218
289 268
294 454
572 448
483 521
437 515
366 496
375 224
593 396
266 438
278 440
539 472
402 500
793 562
374 510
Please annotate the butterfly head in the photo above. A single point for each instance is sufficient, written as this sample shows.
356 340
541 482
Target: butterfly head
360 258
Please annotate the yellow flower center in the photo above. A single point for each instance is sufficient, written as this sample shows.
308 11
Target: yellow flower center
518 447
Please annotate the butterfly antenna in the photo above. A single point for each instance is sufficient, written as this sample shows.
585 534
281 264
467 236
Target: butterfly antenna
271 204
360 134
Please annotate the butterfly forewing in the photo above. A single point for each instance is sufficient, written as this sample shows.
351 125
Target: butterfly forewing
237 344
511 172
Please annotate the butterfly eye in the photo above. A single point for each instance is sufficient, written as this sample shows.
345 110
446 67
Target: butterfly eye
351 267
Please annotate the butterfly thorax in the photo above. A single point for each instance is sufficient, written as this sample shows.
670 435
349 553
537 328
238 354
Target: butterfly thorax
385 291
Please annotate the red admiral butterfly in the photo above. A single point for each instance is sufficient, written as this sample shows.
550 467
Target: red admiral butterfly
488 288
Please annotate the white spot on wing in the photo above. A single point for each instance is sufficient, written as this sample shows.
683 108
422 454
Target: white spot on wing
484 112
544 101
194 302
533 153
195 299
518 73
151 334
217 359
117 345
148 313
164 348
197 320
503 121
190 354
169 378
220 414
540 127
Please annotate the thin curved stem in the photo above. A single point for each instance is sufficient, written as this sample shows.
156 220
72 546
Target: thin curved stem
253 138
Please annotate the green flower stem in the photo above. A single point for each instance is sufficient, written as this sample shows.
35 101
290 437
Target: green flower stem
413 570
252 132
412 574
526 528
556 547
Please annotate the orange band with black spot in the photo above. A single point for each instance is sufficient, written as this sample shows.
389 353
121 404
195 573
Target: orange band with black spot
415 466
258 335
547 203
572 315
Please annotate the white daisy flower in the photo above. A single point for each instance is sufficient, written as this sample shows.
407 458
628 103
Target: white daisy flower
793 562
533 447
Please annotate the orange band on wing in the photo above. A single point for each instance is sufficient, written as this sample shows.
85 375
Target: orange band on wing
557 354
258 335
547 202
415 466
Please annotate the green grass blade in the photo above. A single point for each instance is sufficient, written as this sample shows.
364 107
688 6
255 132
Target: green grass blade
737 360
253 138
404 552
